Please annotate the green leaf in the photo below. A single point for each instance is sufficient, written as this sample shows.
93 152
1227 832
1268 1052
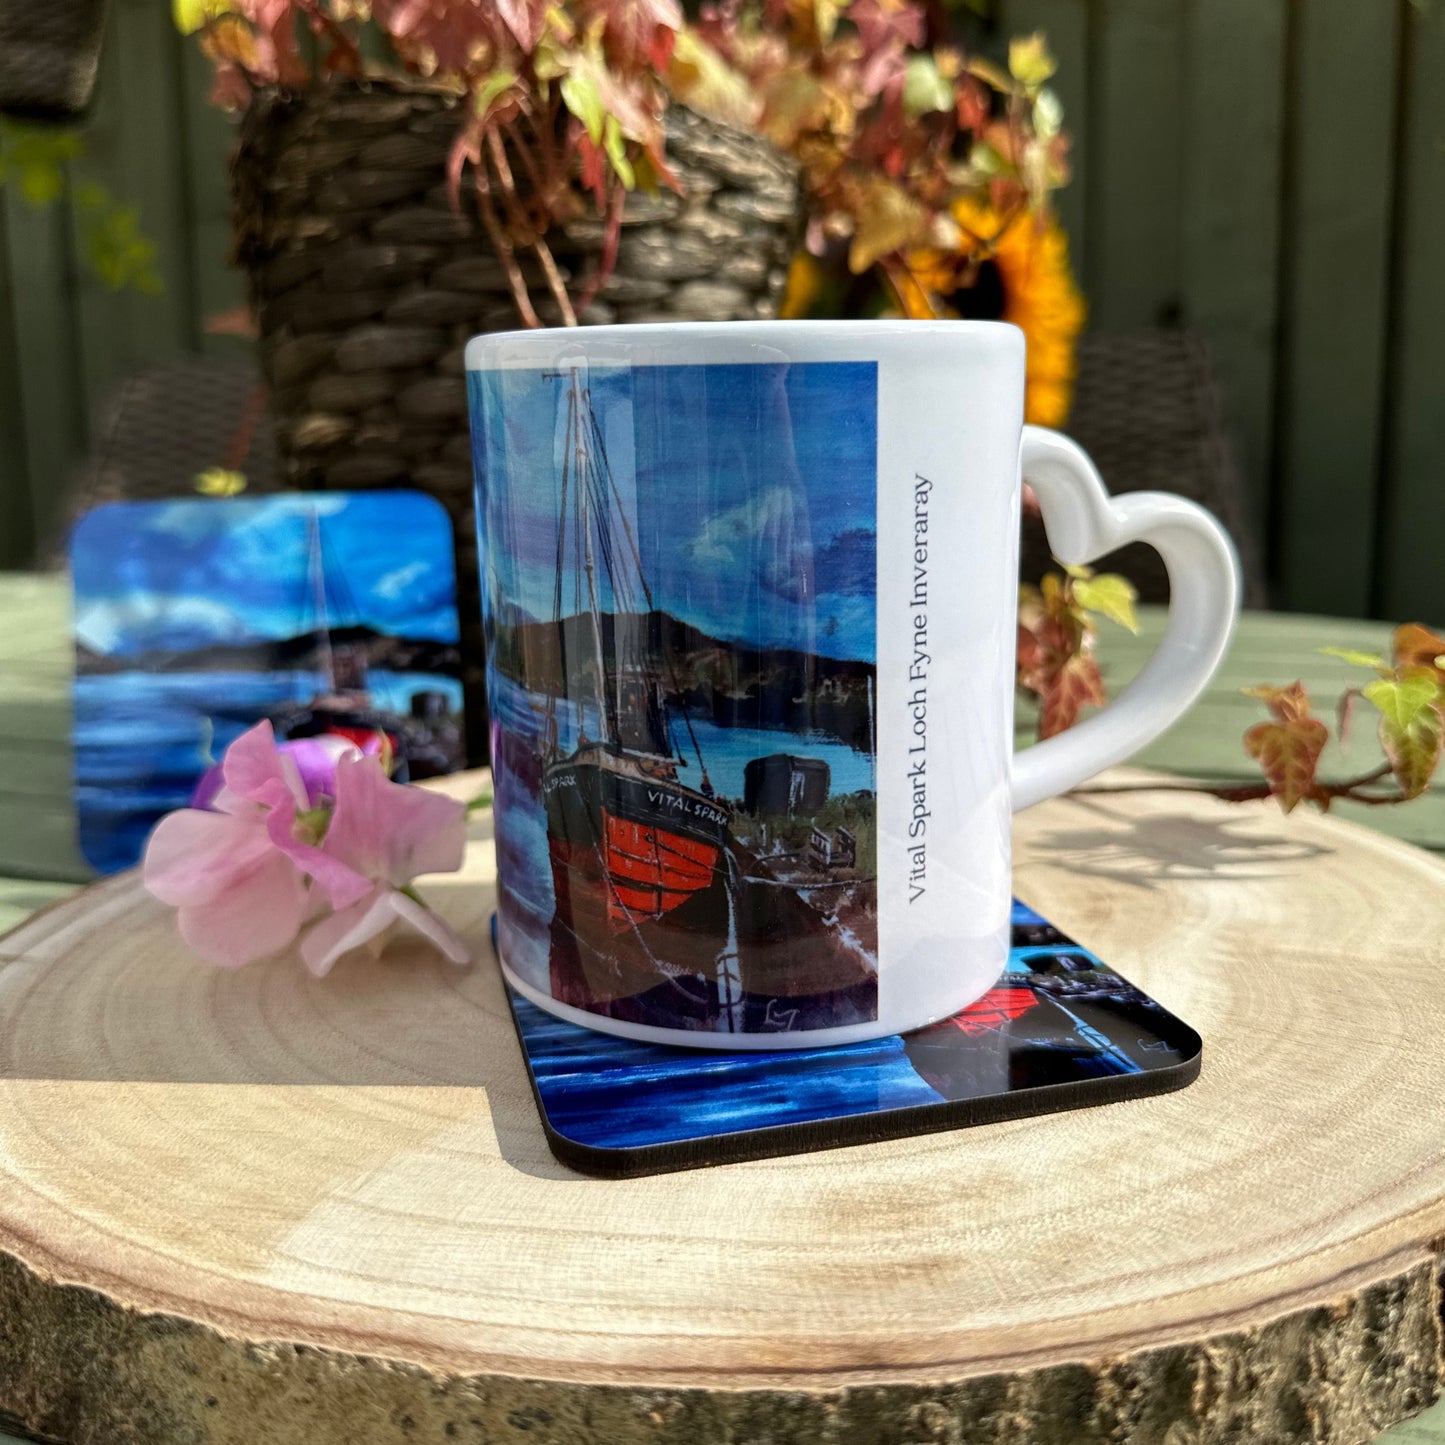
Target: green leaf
496 84
1353 656
118 251
1401 700
986 160
616 147
924 89
1048 114
1111 596
35 158
990 74
219 482
192 15
1414 750
581 96
699 77
41 185
1029 60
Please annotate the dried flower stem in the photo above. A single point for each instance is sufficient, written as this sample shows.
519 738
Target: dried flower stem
611 241
1251 792
498 152
508 257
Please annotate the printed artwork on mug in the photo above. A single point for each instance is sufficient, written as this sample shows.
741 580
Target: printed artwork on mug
683 688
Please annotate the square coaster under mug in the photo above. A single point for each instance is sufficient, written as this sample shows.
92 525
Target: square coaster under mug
749 597
1058 1030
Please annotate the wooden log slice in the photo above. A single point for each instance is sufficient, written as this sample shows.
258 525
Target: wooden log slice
254 1207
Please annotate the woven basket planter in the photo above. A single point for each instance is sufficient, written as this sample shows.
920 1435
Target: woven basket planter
368 284
49 55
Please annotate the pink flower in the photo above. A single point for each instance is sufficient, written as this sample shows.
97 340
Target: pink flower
315 760
290 832
389 833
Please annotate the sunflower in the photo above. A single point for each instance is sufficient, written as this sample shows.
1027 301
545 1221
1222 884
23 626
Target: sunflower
1024 277
1015 270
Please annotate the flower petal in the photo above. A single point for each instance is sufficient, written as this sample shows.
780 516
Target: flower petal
352 927
256 914
192 856
210 784
343 885
390 830
348 928
316 760
255 769
433 928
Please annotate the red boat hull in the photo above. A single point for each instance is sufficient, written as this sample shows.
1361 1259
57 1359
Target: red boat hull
650 870
628 853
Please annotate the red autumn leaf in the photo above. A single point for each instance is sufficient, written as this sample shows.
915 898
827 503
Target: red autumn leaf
593 167
525 19
973 106
1344 713
1030 658
1416 646
660 48
1288 704
1288 752
882 25
1076 685
234 321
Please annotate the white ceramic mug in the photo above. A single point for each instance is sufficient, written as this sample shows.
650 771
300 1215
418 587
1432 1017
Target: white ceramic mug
750 598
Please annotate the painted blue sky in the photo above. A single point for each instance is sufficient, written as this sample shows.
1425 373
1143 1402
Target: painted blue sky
751 489
195 572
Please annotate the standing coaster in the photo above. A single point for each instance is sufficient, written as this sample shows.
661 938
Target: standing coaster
256 1206
1059 1030
197 618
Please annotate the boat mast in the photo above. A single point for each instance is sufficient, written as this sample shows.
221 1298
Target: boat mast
316 568
589 566
612 495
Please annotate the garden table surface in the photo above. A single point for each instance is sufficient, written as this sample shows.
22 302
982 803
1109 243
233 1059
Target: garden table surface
39 860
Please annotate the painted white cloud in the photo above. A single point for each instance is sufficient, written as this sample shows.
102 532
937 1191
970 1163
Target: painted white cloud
143 621
394 583
767 538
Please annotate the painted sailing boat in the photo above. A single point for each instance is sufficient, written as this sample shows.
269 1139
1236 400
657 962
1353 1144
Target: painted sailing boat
423 744
661 913
631 845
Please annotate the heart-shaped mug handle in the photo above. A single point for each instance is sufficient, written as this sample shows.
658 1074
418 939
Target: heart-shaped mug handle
1084 522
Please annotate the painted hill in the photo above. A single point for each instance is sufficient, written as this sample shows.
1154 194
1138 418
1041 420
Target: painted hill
304 653
733 684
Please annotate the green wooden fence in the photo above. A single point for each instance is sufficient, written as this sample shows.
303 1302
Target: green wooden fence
1270 173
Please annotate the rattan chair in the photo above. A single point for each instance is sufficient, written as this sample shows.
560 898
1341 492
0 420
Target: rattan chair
164 426
1147 409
